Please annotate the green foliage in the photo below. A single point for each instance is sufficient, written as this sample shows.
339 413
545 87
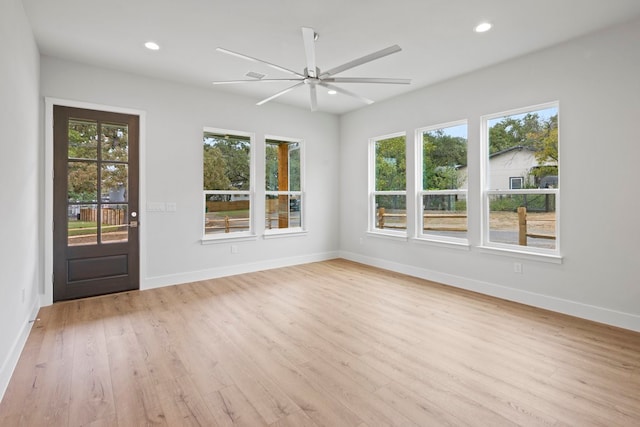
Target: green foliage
442 156
512 132
214 169
295 178
83 154
271 166
82 175
546 146
390 202
533 202
530 131
391 164
226 162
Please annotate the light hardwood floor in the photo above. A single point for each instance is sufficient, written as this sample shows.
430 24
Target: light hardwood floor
324 344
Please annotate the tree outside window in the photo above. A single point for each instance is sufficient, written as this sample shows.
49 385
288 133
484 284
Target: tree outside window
388 181
442 210
521 181
283 185
226 182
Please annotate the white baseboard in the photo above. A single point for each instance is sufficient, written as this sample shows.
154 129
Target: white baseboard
10 363
559 305
212 273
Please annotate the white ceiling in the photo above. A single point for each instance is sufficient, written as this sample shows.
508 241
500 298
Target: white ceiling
436 36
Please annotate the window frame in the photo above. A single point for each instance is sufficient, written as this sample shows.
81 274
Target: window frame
421 192
372 216
513 179
247 234
301 193
486 192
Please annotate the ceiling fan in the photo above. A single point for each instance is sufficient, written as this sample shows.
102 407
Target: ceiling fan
313 77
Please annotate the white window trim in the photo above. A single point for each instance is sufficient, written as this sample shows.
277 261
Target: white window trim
293 231
420 234
239 235
527 252
372 224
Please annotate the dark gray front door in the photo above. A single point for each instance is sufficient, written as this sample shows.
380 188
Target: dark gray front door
95 203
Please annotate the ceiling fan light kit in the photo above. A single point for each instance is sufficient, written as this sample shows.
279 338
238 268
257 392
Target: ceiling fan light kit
312 76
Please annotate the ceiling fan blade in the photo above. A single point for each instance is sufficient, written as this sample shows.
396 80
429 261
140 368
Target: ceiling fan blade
313 97
367 80
346 92
308 36
252 59
228 82
282 92
367 58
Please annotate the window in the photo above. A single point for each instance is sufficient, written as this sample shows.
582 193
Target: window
516 182
227 183
387 182
283 181
442 192
521 190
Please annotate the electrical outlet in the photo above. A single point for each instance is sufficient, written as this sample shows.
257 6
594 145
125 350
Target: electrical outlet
23 295
517 267
234 249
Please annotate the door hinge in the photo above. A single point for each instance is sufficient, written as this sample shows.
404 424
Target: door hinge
53 277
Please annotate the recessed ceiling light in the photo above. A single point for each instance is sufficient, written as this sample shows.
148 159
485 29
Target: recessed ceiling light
151 46
483 27
332 92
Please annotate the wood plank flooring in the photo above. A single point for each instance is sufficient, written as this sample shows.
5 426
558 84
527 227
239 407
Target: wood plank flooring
325 344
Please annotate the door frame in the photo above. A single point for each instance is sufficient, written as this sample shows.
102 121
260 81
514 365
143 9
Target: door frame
47 289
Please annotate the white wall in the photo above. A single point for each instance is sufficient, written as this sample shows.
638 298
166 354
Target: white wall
19 179
172 172
596 80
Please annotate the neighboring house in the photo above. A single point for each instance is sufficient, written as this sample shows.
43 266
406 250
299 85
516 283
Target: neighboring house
509 169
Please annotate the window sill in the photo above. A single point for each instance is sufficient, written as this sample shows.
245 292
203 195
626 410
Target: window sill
514 253
226 239
388 235
461 245
285 232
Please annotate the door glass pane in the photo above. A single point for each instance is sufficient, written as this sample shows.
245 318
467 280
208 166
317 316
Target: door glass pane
114 183
83 139
114 223
82 182
115 142
82 224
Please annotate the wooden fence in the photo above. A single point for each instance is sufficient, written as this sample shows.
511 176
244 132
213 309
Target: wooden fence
235 205
109 216
226 224
523 232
